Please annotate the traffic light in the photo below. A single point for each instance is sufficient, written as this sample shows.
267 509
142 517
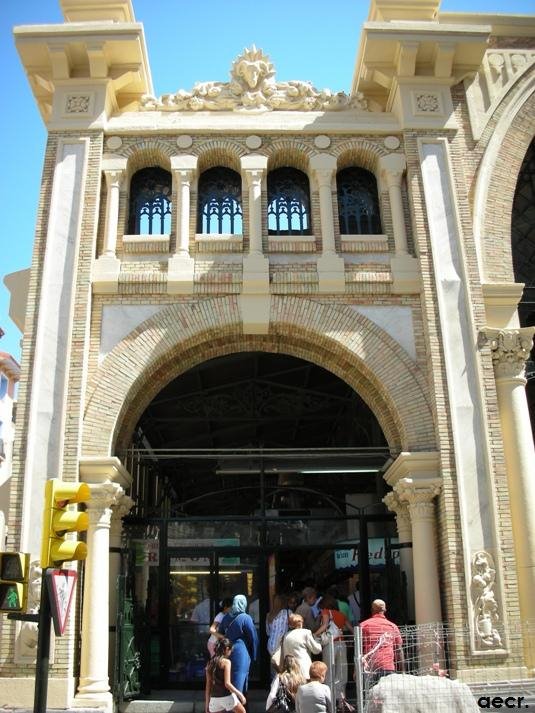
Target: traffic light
14 572
58 520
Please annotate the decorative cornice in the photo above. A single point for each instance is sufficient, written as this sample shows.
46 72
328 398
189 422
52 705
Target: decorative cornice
423 465
104 469
510 349
253 89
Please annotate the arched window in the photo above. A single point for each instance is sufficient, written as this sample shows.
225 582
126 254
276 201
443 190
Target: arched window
288 202
150 202
219 202
358 202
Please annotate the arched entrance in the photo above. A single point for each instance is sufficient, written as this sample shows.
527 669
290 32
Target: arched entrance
254 473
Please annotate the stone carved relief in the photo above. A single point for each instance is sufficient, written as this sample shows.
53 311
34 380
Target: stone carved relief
510 349
486 609
77 104
427 103
499 71
253 89
26 643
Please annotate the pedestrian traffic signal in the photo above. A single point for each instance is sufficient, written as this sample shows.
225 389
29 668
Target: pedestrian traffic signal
14 573
58 521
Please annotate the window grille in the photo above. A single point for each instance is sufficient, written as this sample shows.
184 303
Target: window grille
219 202
288 202
150 202
358 202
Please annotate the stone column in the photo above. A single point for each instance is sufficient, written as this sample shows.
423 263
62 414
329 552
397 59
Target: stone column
255 298
419 496
106 269
405 271
107 479
331 271
510 348
181 265
94 682
403 522
392 168
122 507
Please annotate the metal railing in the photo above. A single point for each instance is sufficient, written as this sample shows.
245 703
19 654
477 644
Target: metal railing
426 679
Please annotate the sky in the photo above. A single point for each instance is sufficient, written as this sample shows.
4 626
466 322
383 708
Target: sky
313 40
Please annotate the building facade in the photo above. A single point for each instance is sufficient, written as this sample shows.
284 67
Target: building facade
9 376
312 295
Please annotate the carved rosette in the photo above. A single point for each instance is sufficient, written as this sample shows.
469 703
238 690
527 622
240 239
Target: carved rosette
253 89
403 519
485 607
510 349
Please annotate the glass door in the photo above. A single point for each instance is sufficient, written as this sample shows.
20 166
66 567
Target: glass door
191 611
243 574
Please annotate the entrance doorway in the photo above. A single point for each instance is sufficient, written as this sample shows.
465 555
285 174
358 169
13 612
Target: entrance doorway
253 474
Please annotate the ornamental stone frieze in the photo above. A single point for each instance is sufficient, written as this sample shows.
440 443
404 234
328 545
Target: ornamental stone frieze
253 89
510 349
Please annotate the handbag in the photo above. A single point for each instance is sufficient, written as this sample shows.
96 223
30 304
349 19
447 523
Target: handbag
283 702
332 630
277 659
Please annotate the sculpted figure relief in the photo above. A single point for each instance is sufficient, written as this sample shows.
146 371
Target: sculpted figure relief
253 88
486 610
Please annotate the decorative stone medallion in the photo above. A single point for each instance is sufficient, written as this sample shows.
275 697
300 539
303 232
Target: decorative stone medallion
391 142
184 141
114 142
77 103
322 142
426 103
253 142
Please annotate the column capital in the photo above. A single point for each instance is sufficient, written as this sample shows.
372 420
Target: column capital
392 167
419 495
103 497
254 176
122 507
114 177
323 167
510 349
403 519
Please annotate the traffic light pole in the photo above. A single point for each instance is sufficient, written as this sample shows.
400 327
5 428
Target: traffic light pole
43 650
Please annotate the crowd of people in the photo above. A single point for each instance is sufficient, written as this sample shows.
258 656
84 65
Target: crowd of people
298 628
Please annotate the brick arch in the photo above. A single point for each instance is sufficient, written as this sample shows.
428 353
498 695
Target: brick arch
219 153
148 153
511 132
361 153
288 152
183 335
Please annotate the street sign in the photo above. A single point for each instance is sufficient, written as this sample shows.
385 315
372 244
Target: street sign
60 585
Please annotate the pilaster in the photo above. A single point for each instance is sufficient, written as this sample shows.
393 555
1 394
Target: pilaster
105 272
403 522
405 268
331 270
181 265
255 298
